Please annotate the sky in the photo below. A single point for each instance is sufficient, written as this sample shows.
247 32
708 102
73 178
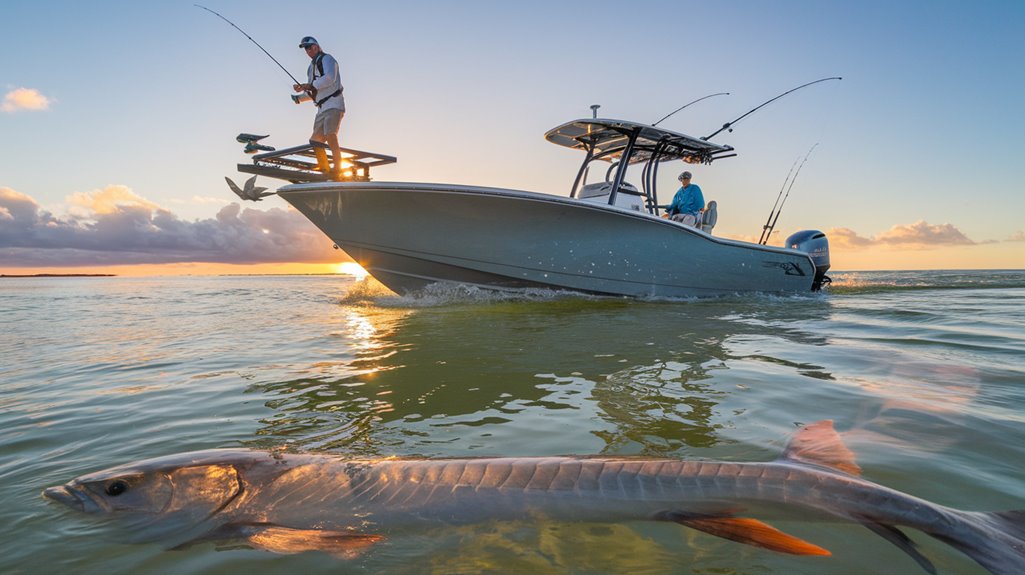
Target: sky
118 119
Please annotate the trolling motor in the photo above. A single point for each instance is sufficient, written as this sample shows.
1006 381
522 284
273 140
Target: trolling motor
252 143
815 244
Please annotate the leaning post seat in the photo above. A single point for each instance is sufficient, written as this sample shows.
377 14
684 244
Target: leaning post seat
709 216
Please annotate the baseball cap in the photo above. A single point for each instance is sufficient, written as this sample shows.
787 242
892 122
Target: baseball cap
684 175
308 41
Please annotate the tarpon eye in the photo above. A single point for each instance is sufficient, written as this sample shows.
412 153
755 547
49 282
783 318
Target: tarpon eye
116 488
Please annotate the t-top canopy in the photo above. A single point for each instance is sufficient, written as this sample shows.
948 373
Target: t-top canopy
609 138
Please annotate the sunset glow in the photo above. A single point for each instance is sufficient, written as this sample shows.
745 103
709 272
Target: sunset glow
131 206
351 269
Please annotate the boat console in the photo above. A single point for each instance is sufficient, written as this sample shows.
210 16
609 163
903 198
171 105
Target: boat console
628 197
621 144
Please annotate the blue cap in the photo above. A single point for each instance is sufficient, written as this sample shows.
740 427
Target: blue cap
308 41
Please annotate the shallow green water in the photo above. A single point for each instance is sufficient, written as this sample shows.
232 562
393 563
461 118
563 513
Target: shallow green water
922 372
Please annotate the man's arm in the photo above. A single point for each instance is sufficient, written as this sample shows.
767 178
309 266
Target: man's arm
330 77
674 206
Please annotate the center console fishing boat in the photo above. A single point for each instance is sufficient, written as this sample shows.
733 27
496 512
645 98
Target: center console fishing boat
607 237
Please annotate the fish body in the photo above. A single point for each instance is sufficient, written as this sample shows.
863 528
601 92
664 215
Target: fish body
288 502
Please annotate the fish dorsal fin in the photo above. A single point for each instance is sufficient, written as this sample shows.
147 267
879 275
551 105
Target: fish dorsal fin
820 444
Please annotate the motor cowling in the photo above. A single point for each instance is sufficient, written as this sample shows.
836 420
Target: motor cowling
815 244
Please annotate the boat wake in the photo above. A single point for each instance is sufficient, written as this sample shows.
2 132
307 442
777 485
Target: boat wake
371 292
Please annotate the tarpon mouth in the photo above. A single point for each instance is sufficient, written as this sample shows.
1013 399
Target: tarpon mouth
62 494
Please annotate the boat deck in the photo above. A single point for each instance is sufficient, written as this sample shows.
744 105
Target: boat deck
298 164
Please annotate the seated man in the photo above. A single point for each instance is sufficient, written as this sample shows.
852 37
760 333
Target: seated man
687 203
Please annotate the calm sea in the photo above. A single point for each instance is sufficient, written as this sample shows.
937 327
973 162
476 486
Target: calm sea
922 372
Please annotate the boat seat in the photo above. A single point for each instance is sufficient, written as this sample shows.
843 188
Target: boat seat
709 217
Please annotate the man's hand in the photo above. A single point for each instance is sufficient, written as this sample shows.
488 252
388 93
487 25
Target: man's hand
302 87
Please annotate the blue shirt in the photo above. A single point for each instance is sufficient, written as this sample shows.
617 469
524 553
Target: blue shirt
688 200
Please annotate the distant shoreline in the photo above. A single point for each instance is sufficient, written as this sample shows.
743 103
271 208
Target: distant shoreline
58 275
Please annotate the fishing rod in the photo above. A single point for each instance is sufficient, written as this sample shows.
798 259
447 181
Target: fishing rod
729 125
685 105
776 203
778 212
251 40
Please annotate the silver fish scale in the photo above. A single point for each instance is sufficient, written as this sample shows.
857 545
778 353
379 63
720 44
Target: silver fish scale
461 491
617 479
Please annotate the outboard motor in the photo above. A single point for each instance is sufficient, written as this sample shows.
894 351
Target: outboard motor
815 244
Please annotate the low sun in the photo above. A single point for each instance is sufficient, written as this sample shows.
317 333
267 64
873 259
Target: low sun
352 269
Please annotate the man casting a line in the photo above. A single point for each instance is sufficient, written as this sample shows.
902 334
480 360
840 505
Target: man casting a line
324 88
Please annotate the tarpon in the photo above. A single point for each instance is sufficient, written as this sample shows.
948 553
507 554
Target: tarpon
297 502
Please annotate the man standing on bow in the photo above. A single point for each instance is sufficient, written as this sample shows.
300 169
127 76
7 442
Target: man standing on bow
687 203
324 88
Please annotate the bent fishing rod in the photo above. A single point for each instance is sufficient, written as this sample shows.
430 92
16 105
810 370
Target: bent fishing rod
780 210
685 105
729 125
251 40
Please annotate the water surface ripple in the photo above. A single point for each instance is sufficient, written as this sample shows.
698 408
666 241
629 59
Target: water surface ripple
921 371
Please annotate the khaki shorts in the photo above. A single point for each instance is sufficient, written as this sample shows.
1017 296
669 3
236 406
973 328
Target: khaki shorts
327 122
686 219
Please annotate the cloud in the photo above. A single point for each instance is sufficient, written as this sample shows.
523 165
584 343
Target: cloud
918 236
200 200
1017 237
115 226
107 201
923 234
847 238
24 99
208 200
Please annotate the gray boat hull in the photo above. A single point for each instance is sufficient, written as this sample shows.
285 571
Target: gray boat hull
410 235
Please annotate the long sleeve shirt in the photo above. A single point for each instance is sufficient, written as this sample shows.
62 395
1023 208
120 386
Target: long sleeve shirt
688 200
326 83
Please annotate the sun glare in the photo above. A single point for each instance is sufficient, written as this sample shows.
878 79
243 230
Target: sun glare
352 269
